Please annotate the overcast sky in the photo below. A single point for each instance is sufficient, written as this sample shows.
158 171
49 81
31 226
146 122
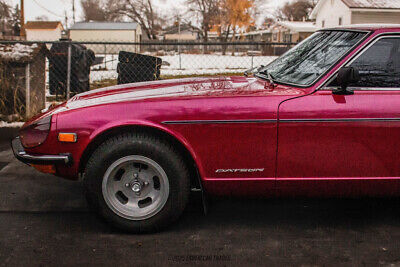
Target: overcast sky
55 9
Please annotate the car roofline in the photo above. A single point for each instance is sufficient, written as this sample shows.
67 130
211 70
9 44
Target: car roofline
365 27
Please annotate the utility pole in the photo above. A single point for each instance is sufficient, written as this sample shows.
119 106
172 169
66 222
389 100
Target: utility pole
22 31
66 19
73 11
179 39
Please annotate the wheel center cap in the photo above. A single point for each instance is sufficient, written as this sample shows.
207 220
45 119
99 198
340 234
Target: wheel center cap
136 187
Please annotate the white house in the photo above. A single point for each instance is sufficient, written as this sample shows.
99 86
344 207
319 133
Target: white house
43 30
333 13
119 32
183 33
292 31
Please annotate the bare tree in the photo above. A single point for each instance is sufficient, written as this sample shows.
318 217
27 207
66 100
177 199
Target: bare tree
10 22
208 13
139 11
15 21
143 13
297 10
42 18
5 15
101 10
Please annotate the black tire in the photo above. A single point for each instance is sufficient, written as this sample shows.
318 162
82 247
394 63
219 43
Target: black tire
153 148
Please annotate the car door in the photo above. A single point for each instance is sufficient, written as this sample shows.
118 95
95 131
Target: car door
331 144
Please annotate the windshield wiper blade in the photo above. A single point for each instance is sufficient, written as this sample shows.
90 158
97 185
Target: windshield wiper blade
254 70
269 77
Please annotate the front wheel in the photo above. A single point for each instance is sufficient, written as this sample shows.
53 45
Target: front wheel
136 182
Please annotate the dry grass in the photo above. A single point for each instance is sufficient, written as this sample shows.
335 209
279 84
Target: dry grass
11 98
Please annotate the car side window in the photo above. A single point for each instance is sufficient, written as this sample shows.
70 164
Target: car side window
379 65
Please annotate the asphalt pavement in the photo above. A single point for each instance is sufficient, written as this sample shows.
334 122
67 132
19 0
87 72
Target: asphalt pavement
44 221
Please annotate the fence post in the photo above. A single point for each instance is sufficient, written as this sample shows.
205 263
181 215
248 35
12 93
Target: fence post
180 59
105 56
69 71
28 90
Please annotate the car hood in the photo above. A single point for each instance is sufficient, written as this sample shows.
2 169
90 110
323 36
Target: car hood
182 88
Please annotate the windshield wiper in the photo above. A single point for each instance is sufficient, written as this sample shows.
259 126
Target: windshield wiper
254 70
268 76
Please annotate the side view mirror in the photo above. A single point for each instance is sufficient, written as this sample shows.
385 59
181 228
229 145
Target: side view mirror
346 76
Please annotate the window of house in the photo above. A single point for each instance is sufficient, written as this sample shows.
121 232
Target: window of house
340 21
287 38
379 65
323 24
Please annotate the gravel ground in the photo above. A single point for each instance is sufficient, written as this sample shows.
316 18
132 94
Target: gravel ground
44 221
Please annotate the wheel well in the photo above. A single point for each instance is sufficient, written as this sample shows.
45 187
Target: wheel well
190 163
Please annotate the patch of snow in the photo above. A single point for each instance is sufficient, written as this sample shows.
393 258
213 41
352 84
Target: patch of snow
16 51
11 124
190 64
186 64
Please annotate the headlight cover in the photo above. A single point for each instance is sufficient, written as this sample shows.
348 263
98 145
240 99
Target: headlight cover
36 133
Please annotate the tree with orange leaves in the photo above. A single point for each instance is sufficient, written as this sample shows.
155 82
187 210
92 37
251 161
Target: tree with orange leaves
239 14
234 15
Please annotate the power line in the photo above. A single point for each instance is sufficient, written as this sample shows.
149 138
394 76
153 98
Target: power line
49 11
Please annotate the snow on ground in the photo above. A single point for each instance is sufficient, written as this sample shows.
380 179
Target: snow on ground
188 64
11 124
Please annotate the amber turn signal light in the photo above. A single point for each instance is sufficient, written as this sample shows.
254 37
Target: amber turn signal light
45 168
67 137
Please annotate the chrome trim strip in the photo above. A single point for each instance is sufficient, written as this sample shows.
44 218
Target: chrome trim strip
344 29
281 120
341 120
219 121
50 158
364 89
21 155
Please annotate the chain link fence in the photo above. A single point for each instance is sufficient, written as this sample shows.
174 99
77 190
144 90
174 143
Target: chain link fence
40 72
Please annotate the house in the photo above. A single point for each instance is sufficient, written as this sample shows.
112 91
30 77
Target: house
281 32
333 13
43 30
258 36
118 32
213 36
291 31
183 33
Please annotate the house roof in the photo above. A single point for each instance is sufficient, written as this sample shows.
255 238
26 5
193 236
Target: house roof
376 4
257 32
105 26
298 26
367 4
184 27
43 25
367 27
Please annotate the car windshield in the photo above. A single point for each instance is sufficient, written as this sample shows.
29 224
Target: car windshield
305 63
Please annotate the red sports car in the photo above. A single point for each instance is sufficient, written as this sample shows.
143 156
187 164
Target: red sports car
321 120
